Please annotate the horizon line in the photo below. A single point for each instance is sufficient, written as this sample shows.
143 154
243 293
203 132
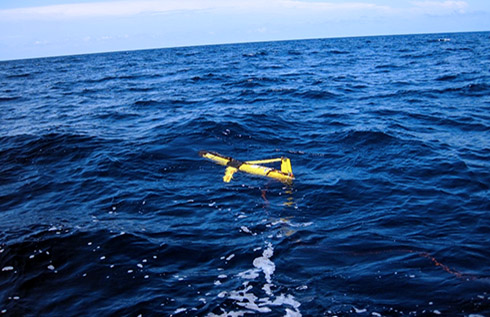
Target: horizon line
239 43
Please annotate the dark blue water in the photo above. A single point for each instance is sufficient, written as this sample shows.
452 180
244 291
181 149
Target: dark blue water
107 209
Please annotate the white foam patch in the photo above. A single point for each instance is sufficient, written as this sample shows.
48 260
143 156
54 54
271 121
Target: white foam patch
359 311
286 300
292 313
265 264
251 274
229 314
267 289
245 229
250 302
222 294
180 310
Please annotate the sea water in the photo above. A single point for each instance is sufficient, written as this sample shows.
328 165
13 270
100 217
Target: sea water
107 209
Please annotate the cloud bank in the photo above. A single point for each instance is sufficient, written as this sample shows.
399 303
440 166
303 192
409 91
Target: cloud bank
132 8
440 7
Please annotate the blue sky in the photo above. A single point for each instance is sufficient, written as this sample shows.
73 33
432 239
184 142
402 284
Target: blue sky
33 28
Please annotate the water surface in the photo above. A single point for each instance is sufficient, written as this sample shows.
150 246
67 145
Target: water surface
107 209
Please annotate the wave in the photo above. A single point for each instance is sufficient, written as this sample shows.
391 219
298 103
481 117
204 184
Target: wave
89 91
47 148
116 115
460 49
165 103
365 138
388 66
468 90
256 54
254 82
209 76
315 94
121 77
479 89
101 79
149 102
463 123
141 89
416 56
337 52
447 77
57 254
6 99
24 75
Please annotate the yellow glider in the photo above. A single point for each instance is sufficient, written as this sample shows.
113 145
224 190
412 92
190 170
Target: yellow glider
284 175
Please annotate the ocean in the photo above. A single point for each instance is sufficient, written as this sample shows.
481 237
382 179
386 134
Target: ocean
106 208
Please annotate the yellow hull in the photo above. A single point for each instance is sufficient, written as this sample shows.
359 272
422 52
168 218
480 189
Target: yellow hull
284 175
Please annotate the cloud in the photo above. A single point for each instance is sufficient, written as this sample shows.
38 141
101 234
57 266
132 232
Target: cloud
41 43
274 8
132 8
440 7
95 9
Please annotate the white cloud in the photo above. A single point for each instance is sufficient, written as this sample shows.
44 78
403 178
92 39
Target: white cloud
95 9
131 8
440 7
41 43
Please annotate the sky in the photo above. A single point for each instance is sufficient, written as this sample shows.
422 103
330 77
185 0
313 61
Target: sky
34 28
